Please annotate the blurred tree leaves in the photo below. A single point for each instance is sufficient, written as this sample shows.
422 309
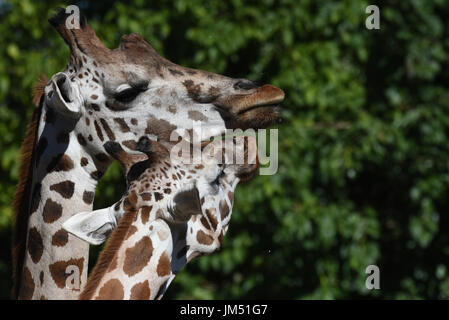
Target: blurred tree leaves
363 147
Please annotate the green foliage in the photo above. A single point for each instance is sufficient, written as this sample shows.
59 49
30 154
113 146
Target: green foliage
363 147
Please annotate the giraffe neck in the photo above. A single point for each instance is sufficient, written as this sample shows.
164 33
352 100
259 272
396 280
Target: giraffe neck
64 178
135 263
146 252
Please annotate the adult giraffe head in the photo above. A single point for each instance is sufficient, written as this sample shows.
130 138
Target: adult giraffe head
106 95
131 90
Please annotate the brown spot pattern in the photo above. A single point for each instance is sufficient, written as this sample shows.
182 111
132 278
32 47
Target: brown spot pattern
60 238
81 139
158 196
108 130
211 217
131 144
196 115
52 211
35 245
146 196
145 213
98 129
58 270
141 291
60 163
130 202
160 128
111 290
204 238
122 124
137 257
204 222
65 188
230 196
224 209
84 161
163 266
193 90
88 197
175 72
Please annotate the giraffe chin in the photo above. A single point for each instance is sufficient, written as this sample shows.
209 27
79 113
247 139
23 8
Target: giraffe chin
259 117
247 171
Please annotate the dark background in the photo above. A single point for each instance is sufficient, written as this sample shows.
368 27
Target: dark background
363 147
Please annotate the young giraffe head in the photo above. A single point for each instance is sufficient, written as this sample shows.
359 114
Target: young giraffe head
179 211
169 188
116 95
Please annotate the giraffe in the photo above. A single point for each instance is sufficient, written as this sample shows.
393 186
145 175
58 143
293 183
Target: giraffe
106 95
156 237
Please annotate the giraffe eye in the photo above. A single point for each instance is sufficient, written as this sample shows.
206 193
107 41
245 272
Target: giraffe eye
127 95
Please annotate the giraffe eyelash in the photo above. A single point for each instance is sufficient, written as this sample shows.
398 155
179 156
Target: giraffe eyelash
126 93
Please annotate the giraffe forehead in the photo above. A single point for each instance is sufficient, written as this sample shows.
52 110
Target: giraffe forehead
198 85
167 100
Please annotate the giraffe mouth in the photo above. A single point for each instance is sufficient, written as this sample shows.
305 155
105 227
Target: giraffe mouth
273 106
256 110
266 96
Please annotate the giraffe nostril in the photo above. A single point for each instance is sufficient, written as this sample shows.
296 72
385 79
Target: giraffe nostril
245 85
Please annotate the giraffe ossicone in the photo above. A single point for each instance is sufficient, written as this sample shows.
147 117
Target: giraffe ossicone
180 217
106 95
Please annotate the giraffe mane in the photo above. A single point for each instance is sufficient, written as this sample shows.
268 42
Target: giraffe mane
38 89
107 254
20 204
22 198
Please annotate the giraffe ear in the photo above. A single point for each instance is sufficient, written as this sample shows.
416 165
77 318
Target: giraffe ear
91 226
61 96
